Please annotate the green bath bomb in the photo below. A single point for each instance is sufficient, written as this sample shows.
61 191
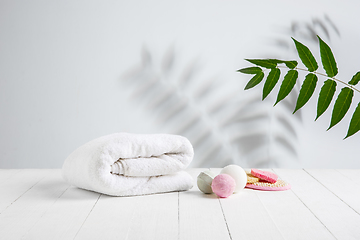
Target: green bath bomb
204 181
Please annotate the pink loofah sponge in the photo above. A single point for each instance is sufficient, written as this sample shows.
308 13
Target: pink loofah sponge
264 175
223 185
280 185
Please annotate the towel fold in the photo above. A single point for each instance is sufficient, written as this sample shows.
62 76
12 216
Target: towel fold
124 164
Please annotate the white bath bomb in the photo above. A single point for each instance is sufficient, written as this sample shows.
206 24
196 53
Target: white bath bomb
204 181
238 174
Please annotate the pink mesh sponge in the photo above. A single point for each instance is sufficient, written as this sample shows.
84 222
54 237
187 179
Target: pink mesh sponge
280 185
264 175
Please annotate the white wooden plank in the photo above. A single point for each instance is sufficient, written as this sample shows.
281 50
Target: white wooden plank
18 218
246 216
200 215
156 217
293 219
351 174
110 217
274 214
34 210
342 221
65 217
347 190
18 185
6 174
139 217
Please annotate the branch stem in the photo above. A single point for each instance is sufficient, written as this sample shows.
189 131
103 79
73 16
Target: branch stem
335 79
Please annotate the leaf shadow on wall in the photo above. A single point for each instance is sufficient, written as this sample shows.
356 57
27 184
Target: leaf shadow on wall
224 125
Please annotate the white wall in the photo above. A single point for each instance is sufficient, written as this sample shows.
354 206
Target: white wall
62 65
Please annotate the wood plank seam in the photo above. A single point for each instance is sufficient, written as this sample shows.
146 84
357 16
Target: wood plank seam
227 226
131 219
332 192
222 210
200 214
347 176
313 213
42 215
267 211
21 195
87 216
62 193
310 209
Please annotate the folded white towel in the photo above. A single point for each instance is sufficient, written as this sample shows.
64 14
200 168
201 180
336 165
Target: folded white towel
124 164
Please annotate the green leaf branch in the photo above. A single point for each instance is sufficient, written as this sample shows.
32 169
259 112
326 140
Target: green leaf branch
343 100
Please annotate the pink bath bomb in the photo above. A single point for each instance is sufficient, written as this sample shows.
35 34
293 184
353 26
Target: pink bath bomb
223 185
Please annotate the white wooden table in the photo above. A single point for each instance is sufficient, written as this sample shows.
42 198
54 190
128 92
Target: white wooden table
322 204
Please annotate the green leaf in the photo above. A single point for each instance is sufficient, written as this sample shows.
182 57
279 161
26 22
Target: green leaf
289 64
271 81
255 80
327 59
287 85
276 61
250 70
266 63
341 105
355 79
306 56
326 95
306 91
354 126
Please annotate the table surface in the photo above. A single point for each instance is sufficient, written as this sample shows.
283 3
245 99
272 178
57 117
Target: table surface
322 204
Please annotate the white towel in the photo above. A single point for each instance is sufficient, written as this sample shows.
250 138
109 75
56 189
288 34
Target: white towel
124 164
